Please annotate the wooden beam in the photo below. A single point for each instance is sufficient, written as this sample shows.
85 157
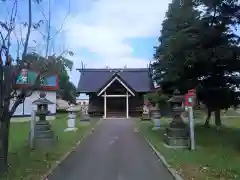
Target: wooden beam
105 104
115 79
127 108
116 95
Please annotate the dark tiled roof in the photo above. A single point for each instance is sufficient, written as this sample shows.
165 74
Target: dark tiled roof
92 80
119 77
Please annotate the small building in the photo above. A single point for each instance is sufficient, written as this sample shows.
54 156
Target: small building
61 104
82 101
115 92
49 84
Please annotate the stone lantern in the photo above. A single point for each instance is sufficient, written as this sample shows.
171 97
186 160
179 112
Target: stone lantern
43 136
177 133
84 113
145 113
155 116
71 118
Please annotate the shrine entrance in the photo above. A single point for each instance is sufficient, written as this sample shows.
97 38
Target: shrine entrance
116 107
116 99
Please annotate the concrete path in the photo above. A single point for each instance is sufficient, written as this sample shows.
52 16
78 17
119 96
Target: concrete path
113 152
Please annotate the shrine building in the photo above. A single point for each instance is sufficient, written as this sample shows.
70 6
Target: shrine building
115 92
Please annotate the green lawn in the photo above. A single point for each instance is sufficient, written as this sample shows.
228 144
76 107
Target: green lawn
217 156
201 113
31 165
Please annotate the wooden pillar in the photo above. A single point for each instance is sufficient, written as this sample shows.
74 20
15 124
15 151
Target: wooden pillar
105 104
127 109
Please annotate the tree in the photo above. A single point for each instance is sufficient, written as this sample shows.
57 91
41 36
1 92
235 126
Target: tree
67 90
158 97
198 49
177 35
58 65
221 58
8 75
10 69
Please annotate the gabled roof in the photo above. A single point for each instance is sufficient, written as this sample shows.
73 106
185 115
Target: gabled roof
114 78
92 80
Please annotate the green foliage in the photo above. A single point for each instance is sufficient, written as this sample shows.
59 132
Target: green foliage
171 59
157 98
56 65
67 91
199 49
52 64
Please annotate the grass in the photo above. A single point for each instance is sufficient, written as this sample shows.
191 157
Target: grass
31 164
217 155
230 113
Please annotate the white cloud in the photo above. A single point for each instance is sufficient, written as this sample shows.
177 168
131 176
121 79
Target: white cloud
35 39
98 39
104 28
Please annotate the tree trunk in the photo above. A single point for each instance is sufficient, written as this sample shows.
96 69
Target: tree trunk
218 121
4 133
209 113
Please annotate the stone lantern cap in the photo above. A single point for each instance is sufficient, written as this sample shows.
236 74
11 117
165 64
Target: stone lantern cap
42 99
156 107
177 97
72 108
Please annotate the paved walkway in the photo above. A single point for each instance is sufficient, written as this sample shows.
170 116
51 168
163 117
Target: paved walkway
113 152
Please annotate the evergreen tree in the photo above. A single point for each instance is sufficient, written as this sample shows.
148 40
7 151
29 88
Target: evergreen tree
198 49
177 40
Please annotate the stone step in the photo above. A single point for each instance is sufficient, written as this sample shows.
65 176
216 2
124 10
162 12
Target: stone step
116 114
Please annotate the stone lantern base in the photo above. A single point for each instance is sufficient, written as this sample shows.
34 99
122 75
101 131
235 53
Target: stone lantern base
176 137
177 134
71 125
145 114
85 117
145 117
155 116
70 129
44 137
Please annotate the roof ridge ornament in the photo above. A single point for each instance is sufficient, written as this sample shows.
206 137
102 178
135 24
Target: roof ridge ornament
116 72
83 65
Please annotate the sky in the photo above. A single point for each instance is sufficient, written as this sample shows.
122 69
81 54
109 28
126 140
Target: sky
100 32
113 33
